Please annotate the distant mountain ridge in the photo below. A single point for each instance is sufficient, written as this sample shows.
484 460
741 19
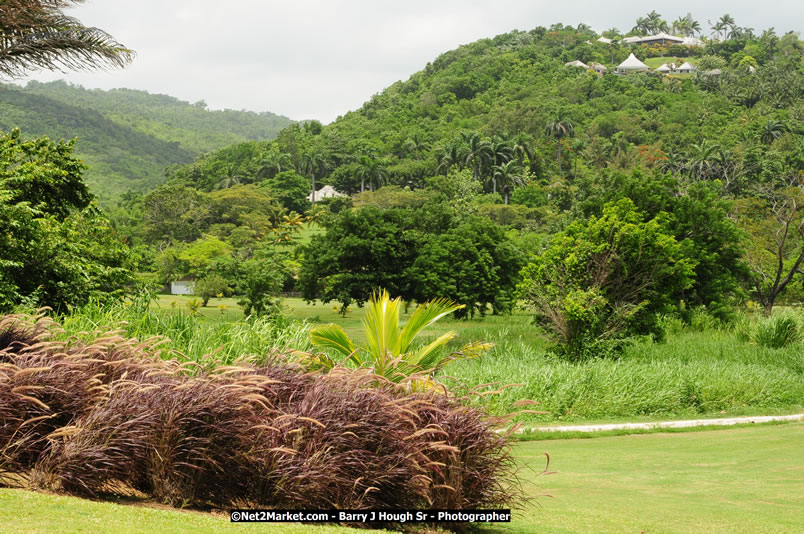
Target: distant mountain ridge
128 137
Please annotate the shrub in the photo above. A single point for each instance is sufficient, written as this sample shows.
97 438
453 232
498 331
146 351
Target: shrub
606 280
777 332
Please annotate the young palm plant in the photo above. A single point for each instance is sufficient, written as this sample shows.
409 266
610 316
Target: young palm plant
390 351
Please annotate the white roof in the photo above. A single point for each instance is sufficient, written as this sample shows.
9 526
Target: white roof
663 68
634 39
576 63
632 63
692 41
604 40
687 66
662 35
598 66
325 192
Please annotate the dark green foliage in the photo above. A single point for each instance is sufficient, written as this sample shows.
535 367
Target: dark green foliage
605 280
55 248
472 264
361 251
697 215
210 286
290 190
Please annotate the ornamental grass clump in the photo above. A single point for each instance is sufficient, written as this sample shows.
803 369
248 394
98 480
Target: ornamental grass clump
110 417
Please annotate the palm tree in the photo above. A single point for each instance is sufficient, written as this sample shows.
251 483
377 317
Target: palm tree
701 158
694 25
272 163
417 146
509 175
35 34
479 152
373 170
559 128
771 131
520 148
452 154
390 351
311 163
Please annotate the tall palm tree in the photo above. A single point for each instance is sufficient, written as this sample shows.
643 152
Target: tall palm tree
417 146
509 175
372 170
312 163
559 128
520 147
35 34
479 152
452 154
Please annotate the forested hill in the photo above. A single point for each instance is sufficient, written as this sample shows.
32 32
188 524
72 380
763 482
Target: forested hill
127 137
476 105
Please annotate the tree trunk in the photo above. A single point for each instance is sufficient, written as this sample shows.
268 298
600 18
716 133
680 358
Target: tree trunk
559 156
506 197
362 184
494 185
312 176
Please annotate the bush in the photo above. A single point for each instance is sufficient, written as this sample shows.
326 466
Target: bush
777 332
606 280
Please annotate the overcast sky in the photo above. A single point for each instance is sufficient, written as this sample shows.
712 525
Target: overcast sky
318 59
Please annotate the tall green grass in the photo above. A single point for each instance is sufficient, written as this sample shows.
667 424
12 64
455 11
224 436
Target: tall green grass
192 337
693 374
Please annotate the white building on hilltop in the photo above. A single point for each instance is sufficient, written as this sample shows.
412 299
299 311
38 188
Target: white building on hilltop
631 64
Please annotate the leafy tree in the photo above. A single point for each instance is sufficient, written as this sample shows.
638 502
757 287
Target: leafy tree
264 277
290 190
210 286
54 251
473 264
175 213
361 251
509 175
373 170
42 173
37 35
776 245
605 280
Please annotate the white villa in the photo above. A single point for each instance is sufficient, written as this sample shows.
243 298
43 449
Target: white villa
631 64
687 68
325 192
576 63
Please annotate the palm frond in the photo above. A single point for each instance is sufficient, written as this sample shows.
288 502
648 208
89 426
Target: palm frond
332 336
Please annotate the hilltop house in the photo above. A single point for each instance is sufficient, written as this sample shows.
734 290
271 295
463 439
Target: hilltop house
576 63
631 64
687 68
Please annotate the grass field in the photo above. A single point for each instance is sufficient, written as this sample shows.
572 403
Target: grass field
698 372
735 481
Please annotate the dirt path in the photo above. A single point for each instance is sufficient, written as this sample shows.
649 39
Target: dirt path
671 424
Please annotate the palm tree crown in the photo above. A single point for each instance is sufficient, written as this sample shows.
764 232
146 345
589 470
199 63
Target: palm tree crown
35 34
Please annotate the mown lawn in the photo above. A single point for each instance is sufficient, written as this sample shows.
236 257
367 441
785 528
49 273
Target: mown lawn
734 481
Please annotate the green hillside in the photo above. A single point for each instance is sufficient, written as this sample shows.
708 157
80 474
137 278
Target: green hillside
126 137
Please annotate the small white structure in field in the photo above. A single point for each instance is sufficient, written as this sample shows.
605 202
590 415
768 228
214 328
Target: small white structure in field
325 192
664 69
687 68
182 287
631 64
